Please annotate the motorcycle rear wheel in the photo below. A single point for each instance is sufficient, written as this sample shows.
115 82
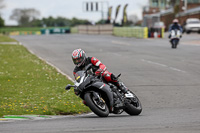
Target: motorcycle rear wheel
133 108
100 110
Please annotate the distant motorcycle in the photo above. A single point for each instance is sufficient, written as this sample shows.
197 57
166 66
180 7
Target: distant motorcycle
104 98
175 36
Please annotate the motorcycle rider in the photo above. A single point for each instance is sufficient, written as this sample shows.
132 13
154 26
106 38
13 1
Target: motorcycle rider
80 60
173 26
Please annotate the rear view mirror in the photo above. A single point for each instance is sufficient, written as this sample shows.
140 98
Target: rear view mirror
68 87
118 75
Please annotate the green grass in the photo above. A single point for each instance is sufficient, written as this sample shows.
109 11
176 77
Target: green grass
6 39
11 29
30 86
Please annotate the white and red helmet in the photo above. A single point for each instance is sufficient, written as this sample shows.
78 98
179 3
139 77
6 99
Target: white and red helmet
78 57
175 21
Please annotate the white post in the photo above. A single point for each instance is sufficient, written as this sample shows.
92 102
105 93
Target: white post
185 4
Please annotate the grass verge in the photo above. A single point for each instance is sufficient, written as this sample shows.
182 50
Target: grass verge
6 39
30 86
5 30
11 29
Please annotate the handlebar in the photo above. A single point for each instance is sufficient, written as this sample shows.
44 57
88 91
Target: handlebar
68 87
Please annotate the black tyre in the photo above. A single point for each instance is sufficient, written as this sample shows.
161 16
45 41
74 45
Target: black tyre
188 32
99 109
133 107
175 46
174 43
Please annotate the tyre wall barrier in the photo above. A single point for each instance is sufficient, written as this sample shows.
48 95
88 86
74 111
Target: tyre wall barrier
25 33
55 31
74 30
138 32
95 29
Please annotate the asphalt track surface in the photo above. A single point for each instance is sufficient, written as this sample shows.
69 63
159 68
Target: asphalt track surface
167 82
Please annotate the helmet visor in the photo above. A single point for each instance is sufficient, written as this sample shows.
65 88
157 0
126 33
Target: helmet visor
78 61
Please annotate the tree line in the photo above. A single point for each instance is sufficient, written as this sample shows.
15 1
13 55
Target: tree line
1 19
29 18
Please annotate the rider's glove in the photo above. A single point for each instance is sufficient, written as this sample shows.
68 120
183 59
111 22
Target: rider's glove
98 72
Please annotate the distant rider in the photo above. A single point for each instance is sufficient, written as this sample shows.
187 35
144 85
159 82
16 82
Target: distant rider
175 25
80 60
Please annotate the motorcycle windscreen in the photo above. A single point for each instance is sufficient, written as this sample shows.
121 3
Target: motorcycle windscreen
78 76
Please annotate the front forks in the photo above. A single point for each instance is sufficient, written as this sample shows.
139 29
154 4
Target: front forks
98 99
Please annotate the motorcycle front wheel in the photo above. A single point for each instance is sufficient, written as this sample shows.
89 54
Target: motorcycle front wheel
174 43
133 106
98 106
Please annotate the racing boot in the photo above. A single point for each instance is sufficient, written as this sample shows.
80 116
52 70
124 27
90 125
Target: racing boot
121 86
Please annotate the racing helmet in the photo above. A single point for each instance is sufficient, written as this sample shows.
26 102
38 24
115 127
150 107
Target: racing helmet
175 21
78 57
